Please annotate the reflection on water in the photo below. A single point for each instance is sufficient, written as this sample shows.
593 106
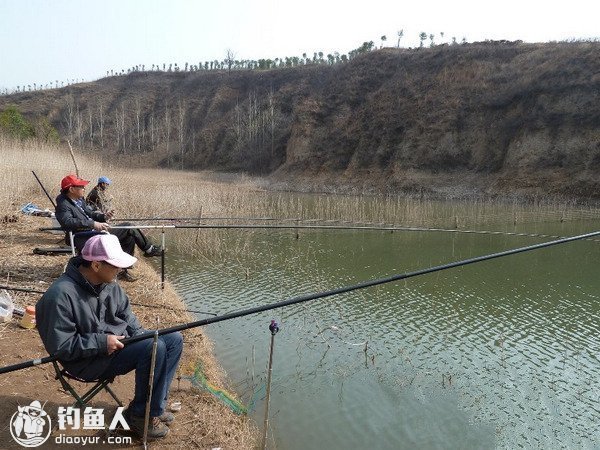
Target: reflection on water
502 353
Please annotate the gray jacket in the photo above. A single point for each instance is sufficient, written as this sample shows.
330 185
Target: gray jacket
73 218
73 318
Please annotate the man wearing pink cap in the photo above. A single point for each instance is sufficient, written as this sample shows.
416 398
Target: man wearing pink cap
76 216
84 314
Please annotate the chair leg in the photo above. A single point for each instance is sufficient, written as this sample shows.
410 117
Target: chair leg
81 401
93 391
113 395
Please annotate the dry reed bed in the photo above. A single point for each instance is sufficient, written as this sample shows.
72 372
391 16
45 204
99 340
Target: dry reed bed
142 193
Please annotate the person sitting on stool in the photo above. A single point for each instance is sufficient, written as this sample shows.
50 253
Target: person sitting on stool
98 198
82 318
75 215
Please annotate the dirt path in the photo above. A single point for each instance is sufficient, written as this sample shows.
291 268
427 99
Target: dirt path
202 422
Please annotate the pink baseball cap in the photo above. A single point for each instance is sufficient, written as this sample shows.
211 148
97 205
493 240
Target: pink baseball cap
106 247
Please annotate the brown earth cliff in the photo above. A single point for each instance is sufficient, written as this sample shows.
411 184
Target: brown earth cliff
490 118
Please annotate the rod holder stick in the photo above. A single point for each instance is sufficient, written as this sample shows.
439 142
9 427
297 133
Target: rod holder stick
150 384
73 158
162 260
273 328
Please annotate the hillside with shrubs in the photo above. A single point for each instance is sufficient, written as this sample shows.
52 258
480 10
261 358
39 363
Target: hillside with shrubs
487 118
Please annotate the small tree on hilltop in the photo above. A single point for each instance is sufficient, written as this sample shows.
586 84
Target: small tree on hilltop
400 34
422 37
383 39
229 59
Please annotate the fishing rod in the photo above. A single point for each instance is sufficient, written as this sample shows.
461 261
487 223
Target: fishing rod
330 227
342 227
360 227
124 227
173 309
34 291
44 189
309 297
186 219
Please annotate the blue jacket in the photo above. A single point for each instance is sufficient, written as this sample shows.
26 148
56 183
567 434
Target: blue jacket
73 319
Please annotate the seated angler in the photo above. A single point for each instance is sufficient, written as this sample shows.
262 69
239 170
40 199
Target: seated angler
83 316
76 216
98 198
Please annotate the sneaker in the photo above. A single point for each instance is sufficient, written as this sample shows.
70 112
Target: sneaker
153 251
126 276
166 418
156 429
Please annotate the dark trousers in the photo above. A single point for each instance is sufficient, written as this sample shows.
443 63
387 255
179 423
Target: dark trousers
138 357
128 238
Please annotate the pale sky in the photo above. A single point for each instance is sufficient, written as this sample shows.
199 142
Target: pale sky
47 40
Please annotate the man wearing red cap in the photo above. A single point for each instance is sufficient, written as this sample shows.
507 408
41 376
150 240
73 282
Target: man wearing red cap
76 216
82 318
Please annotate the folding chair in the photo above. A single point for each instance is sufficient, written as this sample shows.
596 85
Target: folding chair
77 240
62 375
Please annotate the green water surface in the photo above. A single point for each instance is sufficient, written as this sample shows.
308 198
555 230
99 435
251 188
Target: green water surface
499 354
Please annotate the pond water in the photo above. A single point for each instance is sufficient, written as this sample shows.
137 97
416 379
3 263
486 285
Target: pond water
498 354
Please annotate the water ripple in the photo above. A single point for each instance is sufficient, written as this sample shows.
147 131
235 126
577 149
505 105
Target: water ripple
502 353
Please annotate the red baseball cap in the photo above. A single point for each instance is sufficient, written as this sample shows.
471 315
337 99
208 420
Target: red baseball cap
72 180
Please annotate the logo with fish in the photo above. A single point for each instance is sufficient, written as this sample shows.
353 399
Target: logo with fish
30 426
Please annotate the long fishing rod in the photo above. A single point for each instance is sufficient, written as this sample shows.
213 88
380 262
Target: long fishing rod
360 227
34 291
373 228
327 227
309 297
186 219
337 227
44 189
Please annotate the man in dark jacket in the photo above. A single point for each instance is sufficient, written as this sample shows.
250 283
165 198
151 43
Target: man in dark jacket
84 314
75 215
